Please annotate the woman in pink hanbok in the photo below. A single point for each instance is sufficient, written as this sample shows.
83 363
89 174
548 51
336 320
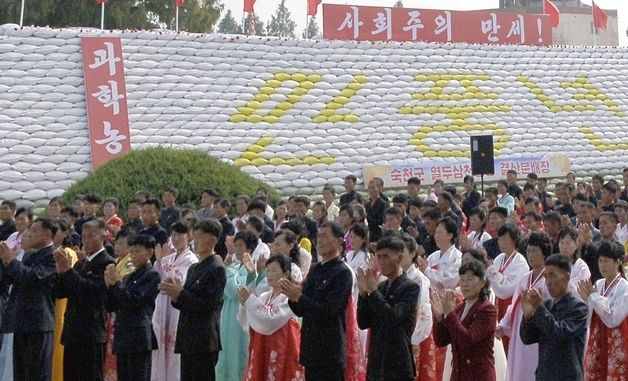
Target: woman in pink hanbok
521 356
166 365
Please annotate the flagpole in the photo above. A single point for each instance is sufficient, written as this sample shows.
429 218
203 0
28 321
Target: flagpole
102 16
176 18
307 26
594 28
22 14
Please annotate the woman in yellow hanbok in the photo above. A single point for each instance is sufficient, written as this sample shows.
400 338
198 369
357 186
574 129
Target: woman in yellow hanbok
61 239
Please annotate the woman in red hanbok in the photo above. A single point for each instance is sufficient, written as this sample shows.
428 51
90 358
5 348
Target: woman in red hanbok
273 328
605 357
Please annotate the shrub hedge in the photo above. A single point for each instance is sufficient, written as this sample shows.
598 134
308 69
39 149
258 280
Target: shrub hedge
154 169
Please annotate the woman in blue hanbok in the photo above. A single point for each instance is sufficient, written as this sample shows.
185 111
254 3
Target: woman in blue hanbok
239 265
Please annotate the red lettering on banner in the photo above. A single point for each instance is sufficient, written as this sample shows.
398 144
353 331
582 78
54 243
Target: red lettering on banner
349 22
407 173
418 172
545 167
458 172
436 173
395 175
105 90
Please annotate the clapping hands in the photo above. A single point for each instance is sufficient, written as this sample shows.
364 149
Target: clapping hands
111 275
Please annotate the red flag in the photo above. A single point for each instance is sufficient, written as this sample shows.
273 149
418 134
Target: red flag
551 9
99 2
248 6
312 7
179 3
600 18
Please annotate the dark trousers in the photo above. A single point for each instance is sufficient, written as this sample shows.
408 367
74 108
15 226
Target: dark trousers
199 366
83 362
334 372
32 356
134 366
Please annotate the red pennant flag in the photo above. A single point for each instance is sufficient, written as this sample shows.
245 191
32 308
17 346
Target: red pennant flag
248 6
600 18
551 9
99 2
312 7
179 3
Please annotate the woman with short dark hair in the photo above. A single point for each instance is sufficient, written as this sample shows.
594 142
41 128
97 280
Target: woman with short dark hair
273 328
608 340
523 356
506 271
468 326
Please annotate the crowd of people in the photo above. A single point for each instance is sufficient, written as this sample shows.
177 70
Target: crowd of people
514 284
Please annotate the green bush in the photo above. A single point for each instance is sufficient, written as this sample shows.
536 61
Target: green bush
154 169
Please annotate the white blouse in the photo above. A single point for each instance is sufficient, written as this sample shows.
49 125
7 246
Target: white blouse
423 326
476 240
266 313
444 268
358 259
579 271
505 275
612 308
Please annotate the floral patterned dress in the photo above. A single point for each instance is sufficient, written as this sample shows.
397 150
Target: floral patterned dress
274 339
605 357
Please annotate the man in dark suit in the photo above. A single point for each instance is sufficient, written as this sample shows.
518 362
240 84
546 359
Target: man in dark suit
199 301
322 303
91 204
170 213
151 210
497 217
375 211
133 301
221 208
29 312
347 197
7 219
389 310
83 334
558 325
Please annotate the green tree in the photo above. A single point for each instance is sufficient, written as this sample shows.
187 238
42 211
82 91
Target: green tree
195 16
312 28
259 26
190 171
198 16
229 24
398 4
281 24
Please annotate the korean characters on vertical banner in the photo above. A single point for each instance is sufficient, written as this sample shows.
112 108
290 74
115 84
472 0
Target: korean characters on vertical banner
106 98
350 22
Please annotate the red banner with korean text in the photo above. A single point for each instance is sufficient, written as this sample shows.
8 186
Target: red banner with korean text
105 93
347 22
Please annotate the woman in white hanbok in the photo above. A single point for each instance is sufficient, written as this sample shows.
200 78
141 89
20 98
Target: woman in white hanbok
506 271
605 356
569 247
273 329
358 258
166 363
521 356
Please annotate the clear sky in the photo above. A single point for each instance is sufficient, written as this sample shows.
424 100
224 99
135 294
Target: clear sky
265 8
